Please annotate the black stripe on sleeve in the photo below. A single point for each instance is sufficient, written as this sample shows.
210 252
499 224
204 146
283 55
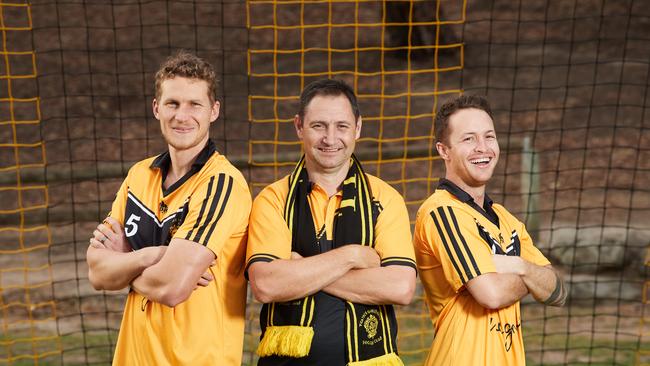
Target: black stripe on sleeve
260 257
399 261
462 239
454 243
205 203
213 206
221 210
447 249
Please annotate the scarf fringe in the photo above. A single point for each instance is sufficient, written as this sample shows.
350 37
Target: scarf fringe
390 359
286 340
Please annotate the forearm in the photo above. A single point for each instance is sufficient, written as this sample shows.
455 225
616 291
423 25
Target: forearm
172 279
497 290
285 280
511 288
544 284
110 270
375 286
155 284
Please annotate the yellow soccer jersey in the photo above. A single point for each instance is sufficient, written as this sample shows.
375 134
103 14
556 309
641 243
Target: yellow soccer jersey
210 206
454 241
269 238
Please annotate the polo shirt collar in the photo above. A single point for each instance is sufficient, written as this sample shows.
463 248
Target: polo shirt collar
164 160
465 197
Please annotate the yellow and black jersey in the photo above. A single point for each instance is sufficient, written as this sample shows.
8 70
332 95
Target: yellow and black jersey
210 205
269 238
454 242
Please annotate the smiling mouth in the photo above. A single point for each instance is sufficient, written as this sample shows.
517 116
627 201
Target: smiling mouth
480 161
330 149
181 130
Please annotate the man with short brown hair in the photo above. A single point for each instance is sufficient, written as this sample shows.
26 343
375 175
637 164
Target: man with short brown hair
176 235
476 260
329 249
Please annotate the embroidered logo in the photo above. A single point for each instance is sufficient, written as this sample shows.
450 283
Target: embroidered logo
370 324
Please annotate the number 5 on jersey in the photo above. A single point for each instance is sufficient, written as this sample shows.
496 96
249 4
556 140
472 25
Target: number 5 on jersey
131 226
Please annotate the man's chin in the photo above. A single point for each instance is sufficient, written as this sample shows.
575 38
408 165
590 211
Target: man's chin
330 164
179 144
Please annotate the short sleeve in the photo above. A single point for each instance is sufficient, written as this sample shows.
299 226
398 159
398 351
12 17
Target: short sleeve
453 238
528 250
217 208
119 204
393 234
269 237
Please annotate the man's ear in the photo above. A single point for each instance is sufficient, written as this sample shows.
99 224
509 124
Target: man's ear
154 107
442 150
358 128
297 124
214 113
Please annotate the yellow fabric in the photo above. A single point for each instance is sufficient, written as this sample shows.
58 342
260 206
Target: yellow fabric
390 359
208 328
269 234
465 332
289 340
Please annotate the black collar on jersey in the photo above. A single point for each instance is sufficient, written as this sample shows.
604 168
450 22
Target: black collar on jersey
465 197
370 330
164 161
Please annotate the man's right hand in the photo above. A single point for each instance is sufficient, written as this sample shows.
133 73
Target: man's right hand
111 235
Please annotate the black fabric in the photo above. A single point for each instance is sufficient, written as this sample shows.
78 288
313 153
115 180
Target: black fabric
164 161
465 197
328 344
147 230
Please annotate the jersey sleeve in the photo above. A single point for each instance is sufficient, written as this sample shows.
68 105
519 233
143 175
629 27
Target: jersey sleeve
269 237
118 207
217 208
528 250
452 237
393 234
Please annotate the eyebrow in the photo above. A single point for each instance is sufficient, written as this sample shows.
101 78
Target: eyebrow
325 122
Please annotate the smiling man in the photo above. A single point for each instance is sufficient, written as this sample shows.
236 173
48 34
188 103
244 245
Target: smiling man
329 247
475 259
176 235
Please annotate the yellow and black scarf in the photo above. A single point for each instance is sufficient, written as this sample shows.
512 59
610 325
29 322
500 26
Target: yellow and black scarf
370 330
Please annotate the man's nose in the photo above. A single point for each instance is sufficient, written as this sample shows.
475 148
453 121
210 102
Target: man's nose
183 113
481 144
330 134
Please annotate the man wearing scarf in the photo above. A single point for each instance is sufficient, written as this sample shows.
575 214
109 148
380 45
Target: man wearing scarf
329 249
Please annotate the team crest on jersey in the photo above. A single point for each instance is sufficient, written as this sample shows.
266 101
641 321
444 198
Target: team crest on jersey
513 248
370 323
143 228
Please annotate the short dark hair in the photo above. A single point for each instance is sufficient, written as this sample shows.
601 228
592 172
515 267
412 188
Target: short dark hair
441 122
327 87
187 65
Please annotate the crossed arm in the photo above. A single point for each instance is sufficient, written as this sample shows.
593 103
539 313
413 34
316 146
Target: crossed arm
514 279
167 275
351 272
